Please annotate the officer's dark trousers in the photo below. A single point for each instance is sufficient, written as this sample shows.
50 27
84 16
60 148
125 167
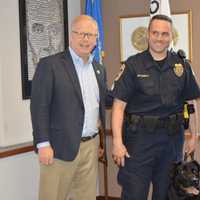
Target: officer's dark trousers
152 154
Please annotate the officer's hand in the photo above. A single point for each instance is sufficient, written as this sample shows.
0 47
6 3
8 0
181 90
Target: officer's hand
100 152
119 152
191 144
46 155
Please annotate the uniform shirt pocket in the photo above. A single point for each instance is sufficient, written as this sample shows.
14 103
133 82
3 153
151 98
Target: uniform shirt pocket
173 87
147 85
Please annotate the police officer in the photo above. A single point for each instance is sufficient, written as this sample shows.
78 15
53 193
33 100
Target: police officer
148 105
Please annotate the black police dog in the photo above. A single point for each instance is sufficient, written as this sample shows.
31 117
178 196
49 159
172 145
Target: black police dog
185 181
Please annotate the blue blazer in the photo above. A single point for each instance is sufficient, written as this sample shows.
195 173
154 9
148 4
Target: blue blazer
57 109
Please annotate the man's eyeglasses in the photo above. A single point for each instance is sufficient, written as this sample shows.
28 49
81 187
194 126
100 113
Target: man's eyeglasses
82 35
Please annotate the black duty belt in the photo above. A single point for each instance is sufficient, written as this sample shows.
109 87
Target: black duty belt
155 122
85 139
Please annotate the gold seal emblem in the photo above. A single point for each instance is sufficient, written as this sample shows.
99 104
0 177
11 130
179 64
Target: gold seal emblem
178 69
139 38
175 36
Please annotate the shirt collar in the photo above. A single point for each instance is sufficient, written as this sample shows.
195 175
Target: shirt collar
149 61
77 59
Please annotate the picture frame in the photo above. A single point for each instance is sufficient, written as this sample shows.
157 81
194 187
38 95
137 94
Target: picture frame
43 28
133 30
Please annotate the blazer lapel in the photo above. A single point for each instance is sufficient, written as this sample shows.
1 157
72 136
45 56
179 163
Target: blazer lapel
71 71
99 76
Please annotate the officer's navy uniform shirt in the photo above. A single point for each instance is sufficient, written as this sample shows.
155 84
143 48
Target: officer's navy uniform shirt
149 89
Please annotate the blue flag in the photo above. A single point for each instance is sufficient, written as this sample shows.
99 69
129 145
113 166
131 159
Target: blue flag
93 8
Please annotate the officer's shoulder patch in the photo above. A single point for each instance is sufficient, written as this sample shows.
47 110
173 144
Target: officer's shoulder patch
117 77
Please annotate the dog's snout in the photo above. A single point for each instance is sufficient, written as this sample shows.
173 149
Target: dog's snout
195 181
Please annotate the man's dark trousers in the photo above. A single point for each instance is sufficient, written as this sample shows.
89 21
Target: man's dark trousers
152 153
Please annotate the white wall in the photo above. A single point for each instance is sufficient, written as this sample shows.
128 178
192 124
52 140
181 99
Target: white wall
15 125
19 177
18 174
74 9
1 99
15 119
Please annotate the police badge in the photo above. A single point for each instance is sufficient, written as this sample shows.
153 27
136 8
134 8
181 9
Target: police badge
178 69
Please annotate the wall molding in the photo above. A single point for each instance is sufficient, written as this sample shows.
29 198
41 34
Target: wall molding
16 149
27 147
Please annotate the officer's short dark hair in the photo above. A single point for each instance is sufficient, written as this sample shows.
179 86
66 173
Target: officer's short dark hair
160 17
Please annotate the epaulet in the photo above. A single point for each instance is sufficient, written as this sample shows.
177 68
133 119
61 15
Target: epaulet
182 55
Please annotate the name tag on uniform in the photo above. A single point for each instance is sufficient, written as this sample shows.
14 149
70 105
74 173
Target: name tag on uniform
143 75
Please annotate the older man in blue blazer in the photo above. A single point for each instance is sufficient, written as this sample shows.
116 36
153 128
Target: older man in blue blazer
67 107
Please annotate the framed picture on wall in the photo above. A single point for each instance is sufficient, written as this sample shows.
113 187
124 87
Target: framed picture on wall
43 32
133 34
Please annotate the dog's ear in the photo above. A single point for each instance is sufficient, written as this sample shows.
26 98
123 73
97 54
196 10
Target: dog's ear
196 164
174 169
